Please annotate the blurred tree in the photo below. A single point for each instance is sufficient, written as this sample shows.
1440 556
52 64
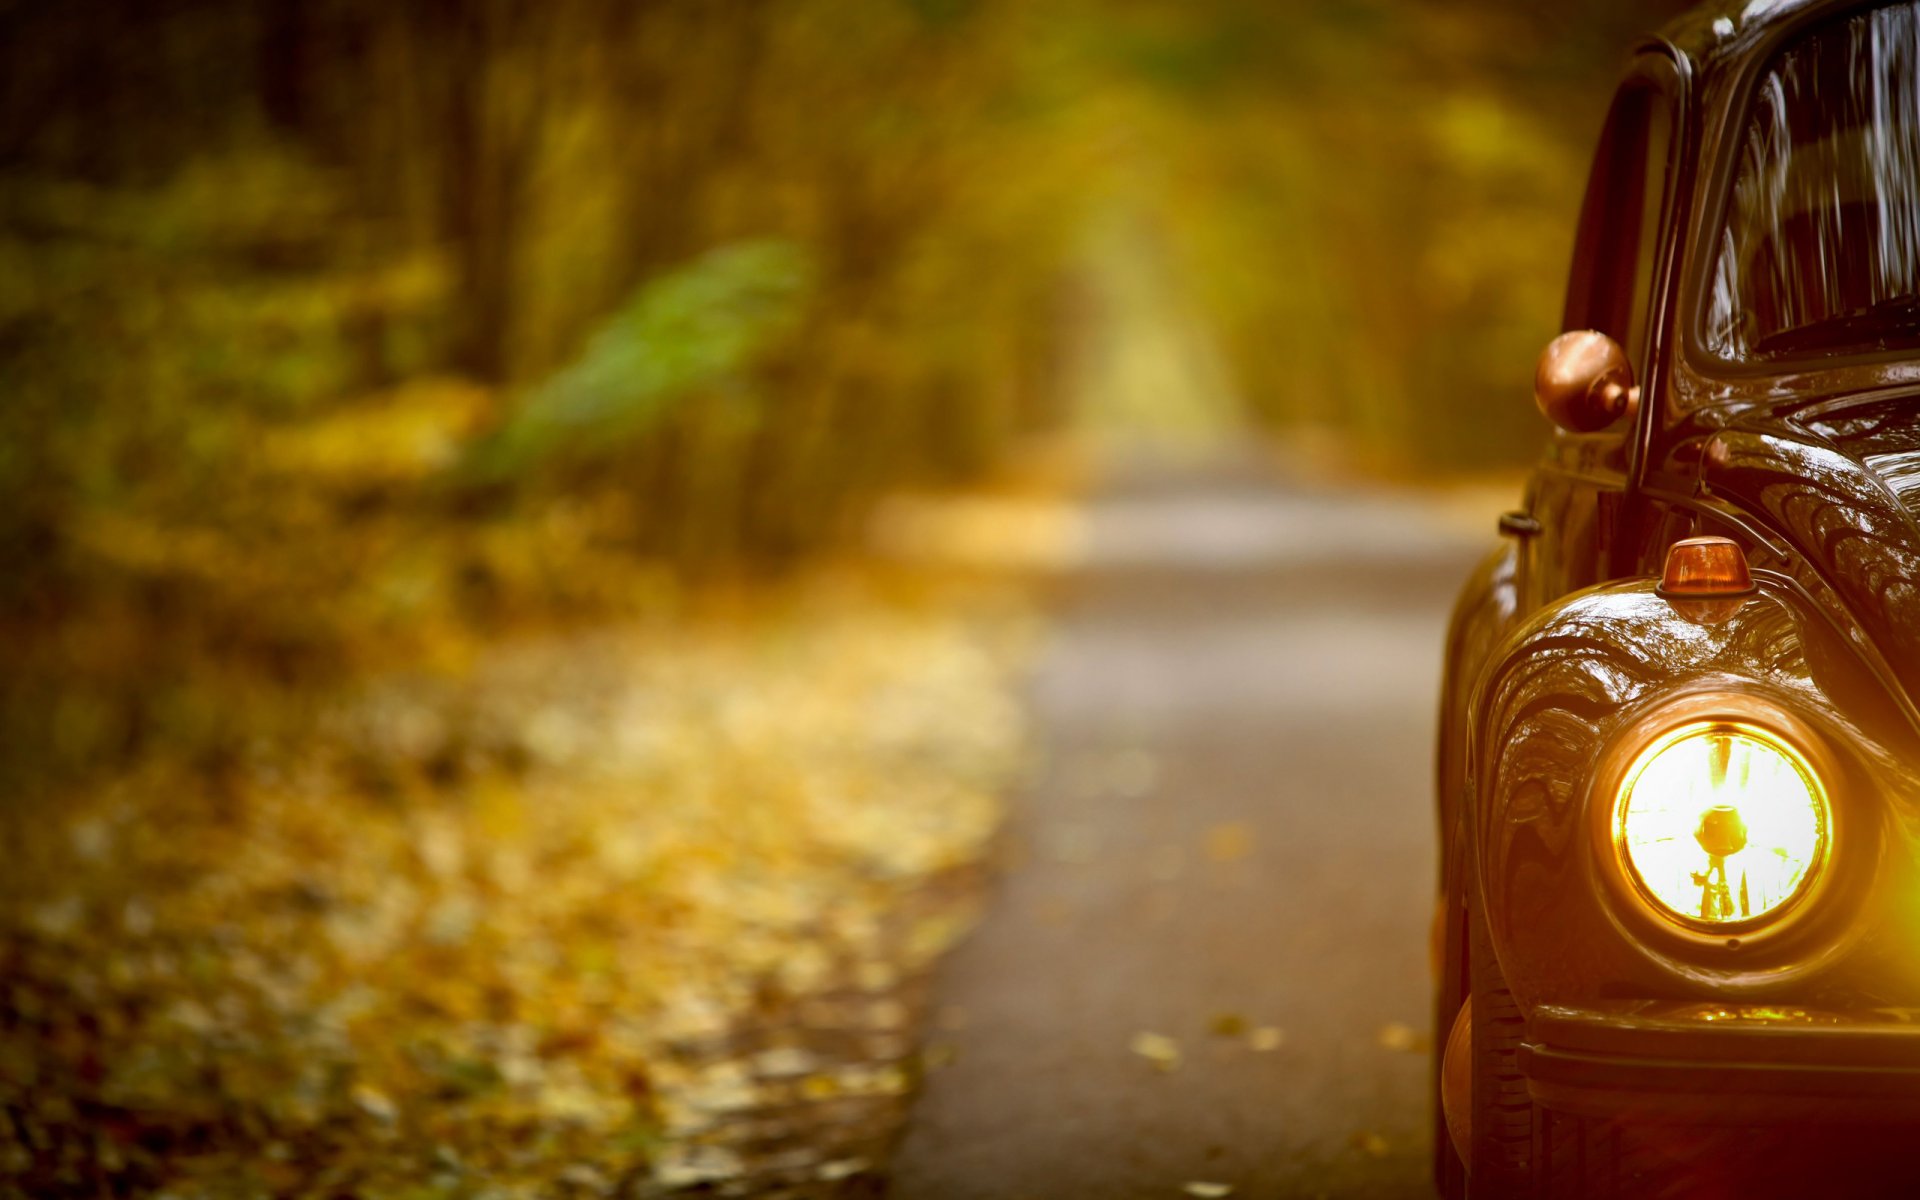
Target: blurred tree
692 283
329 325
1376 200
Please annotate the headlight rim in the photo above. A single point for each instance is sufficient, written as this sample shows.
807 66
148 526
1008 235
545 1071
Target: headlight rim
1817 869
1652 922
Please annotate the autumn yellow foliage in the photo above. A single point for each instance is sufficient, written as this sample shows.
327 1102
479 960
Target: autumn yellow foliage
456 933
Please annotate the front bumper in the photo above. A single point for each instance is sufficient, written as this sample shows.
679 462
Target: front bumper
1732 1064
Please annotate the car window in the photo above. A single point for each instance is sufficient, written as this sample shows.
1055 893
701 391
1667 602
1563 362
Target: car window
1820 251
1615 253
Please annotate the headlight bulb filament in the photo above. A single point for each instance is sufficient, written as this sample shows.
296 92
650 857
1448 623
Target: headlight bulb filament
1722 834
1720 823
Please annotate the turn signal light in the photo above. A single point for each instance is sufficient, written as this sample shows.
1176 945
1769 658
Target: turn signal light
1705 568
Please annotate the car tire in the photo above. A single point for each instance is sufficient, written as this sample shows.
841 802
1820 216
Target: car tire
1449 995
1504 1114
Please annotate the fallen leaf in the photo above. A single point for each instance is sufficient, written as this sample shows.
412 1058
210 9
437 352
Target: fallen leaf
1266 1037
1227 1024
1371 1144
783 1062
375 1103
1160 1050
1395 1035
1204 1189
1230 842
841 1168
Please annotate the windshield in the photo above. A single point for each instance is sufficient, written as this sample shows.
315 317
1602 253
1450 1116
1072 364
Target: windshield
1820 254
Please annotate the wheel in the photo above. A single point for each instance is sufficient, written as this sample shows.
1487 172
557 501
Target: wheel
1504 1115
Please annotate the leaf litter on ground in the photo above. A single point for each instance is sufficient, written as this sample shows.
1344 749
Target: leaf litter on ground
451 938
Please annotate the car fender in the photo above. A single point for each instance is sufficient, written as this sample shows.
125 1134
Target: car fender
1551 708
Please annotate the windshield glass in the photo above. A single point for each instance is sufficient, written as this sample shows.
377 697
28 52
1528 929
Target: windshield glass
1820 254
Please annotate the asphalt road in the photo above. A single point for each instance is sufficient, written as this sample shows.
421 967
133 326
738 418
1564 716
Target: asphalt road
1229 831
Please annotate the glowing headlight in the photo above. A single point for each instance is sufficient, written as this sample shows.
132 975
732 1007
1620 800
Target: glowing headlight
1721 824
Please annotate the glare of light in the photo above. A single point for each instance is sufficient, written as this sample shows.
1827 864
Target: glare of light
1721 825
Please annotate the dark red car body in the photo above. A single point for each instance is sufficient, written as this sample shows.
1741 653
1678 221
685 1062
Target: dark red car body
1611 1055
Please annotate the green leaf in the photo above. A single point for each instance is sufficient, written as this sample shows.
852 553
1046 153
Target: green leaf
692 329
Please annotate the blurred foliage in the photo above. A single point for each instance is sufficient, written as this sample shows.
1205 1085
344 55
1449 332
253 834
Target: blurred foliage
1373 203
389 320
437 314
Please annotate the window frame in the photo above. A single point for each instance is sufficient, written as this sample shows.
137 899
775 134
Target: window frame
1663 78
1734 118
1670 73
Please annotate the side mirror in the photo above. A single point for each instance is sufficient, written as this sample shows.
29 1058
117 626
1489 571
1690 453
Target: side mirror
1584 382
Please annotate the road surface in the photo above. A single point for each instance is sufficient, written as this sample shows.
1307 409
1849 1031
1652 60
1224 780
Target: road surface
1229 834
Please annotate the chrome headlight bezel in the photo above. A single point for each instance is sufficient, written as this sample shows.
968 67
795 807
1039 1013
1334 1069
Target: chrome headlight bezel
1641 913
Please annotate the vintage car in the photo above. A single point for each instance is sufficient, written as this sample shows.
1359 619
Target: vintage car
1678 937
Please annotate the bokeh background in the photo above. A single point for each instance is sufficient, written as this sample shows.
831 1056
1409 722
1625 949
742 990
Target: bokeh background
298 294
386 386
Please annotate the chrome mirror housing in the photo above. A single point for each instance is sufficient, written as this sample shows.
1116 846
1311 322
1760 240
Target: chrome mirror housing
1584 383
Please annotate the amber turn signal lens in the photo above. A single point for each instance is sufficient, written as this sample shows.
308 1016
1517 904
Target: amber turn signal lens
1704 568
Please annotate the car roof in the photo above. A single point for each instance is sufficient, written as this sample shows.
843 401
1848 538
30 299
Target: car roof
1724 33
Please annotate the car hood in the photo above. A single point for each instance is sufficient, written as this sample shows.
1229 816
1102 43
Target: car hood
1841 482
